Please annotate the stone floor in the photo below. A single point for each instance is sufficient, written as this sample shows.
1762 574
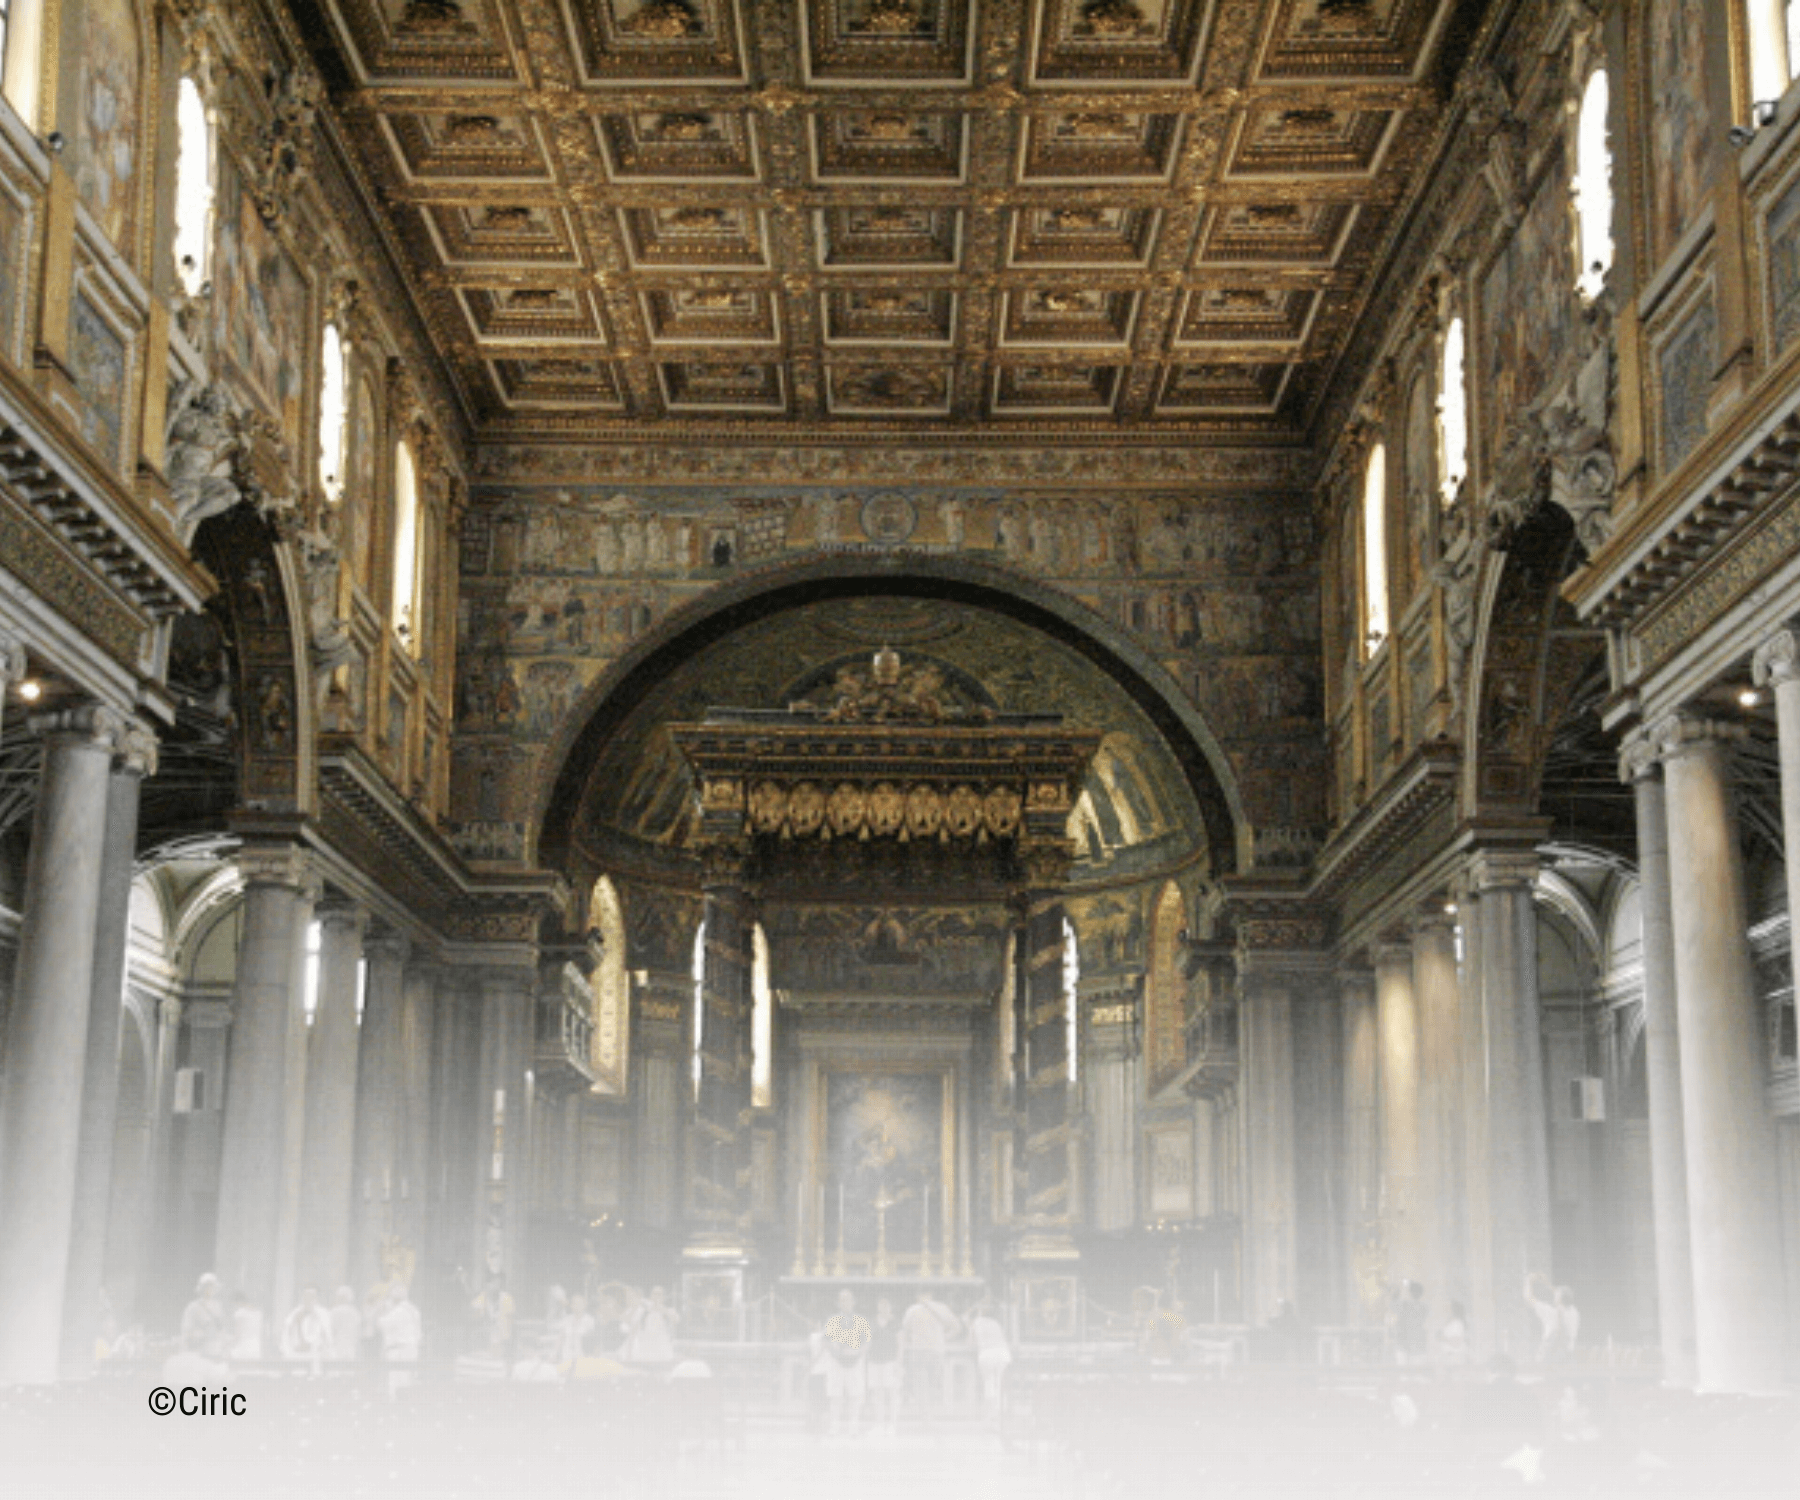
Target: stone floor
1086 1439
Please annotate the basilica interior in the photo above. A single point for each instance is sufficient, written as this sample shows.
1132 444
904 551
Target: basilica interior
1129 664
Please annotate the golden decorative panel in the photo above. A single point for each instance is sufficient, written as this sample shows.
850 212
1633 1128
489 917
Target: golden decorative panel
712 199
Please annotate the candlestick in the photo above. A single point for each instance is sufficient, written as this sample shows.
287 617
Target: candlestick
837 1261
925 1266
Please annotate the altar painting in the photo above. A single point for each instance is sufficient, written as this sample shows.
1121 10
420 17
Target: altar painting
887 1145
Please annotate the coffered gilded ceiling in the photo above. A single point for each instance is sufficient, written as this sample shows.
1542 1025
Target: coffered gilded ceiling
881 215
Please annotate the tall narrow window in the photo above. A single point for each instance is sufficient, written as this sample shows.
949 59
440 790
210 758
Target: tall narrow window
1374 529
1774 32
1453 414
22 48
406 547
1071 976
699 1005
1593 187
333 415
762 1022
193 188
309 981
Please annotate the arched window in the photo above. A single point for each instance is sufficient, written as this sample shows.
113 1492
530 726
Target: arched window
193 188
611 981
333 415
1165 1040
1774 46
1374 558
1453 414
762 1022
22 51
1593 187
1071 976
699 1005
406 547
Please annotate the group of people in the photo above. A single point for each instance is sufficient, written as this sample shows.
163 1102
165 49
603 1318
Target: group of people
623 1328
1554 1308
857 1363
215 1338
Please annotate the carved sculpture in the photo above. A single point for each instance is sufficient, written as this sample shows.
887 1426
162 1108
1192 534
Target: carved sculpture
283 158
204 444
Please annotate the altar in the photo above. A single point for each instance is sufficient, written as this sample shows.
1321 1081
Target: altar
906 846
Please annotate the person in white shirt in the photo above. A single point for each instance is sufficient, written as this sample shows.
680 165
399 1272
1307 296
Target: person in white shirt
540 1368
992 1356
346 1326
571 1334
307 1332
1538 1297
924 1332
401 1331
1568 1320
246 1329
651 1339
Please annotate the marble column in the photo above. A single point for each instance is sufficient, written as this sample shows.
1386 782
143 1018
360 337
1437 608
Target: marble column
1271 984
457 1163
47 1037
1439 1005
1662 1066
1319 1152
1777 665
264 1067
412 1149
1046 1103
719 1187
508 1014
1112 1089
13 667
100 1086
1510 1175
1733 1188
660 1091
377 1094
328 1167
1362 1146
1397 1022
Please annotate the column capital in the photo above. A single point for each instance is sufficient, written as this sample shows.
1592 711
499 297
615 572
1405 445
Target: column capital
288 865
384 942
1044 865
1503 869
723 863
341 911
13 661
1391 951
100 726
1431 917
1639 755
1680 734
1777 660
137 748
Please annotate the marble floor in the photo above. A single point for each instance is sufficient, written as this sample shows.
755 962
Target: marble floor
1091 1439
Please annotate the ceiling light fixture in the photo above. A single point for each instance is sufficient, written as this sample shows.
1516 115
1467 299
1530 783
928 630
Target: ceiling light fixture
1749 698
31 690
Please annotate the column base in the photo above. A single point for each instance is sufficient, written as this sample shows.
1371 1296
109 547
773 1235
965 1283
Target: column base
1044 1285
716 1289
